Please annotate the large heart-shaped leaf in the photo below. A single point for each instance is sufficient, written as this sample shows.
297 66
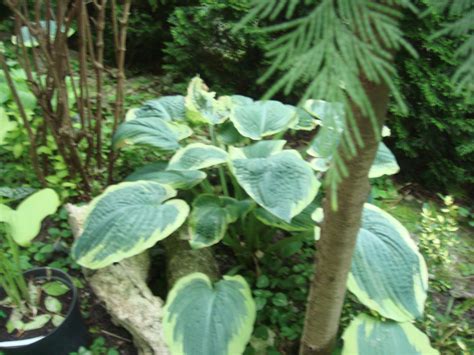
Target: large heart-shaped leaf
24 223
201 105
127 219
204 318
5 125
304 121
151 131
197 156
332 125
183 180
262 118
385 163
366 335
211 215
279 181
388 273
302 222
168 108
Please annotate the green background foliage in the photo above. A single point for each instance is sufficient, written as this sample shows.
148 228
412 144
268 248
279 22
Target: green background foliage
434 140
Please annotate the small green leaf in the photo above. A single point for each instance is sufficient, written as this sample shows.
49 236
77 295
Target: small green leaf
5 125
280 300
385 163
57 320
55 288
168 108
263 281
52 304
38 322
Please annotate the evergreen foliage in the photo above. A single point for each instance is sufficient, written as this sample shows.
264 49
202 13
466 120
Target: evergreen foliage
330 48
434 138
461 25
203 43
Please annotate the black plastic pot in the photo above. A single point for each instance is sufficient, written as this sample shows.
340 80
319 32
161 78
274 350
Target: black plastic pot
66 338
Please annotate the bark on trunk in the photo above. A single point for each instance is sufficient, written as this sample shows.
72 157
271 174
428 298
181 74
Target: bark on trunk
339 234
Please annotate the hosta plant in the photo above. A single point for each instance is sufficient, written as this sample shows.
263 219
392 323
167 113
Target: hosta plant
19 227
226 175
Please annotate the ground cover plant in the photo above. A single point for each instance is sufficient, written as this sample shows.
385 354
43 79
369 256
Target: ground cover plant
260 185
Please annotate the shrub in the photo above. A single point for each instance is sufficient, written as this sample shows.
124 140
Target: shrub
436 135
202 42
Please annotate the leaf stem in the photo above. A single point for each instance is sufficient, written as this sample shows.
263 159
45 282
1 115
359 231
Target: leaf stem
222 178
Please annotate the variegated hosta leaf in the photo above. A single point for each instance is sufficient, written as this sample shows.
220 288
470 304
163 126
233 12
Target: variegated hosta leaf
262 149
304 121
168 108
241 100
201 105
30 40
366 335
332 125
211 215
151 131
204 318
127 219
183 180
388 273
262 118
227 134
279 181
300 223
385 163
197 156
24 223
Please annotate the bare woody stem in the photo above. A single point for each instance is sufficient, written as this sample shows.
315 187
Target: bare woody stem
339 232
120 35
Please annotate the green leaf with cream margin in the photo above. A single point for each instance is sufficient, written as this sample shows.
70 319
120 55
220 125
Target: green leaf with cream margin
151 131
197 156
384 163
127 219
302 222
278 180
263 118
157 172
205 318
304 120
167 108
366 335
210 217
388 274
201 105
24 223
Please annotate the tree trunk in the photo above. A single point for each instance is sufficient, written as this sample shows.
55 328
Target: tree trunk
339 233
